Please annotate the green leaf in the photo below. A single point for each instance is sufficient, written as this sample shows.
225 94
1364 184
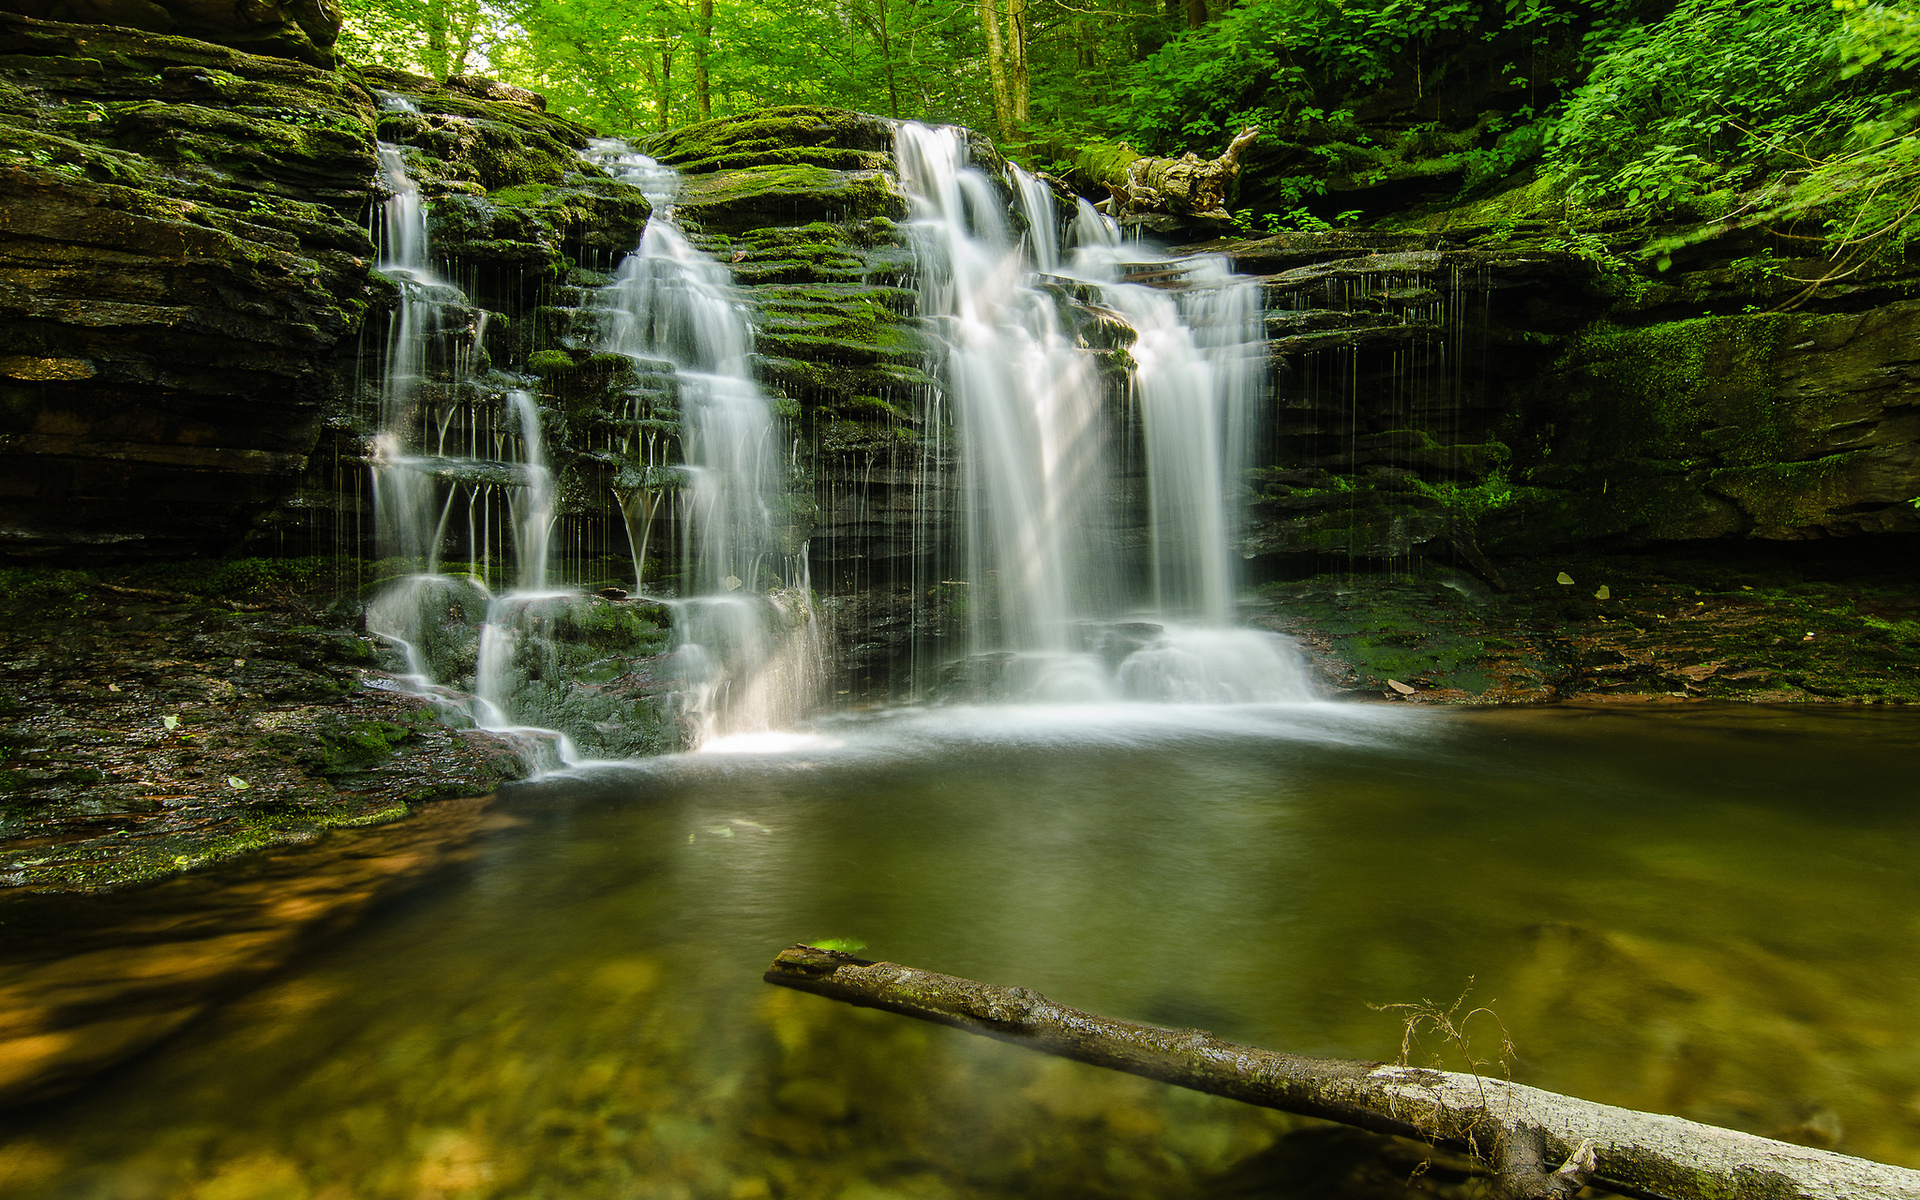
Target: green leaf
843 945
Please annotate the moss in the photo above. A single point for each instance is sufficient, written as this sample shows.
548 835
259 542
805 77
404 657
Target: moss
1679 385
522 194
237 577
1782 498
731 201
785 135
549 364
1104 161
339 745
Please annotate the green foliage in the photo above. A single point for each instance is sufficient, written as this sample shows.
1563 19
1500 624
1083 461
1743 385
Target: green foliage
628 66
1724 95
1292 64
1470 501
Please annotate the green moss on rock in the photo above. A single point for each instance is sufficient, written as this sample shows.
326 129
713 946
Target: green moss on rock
789 135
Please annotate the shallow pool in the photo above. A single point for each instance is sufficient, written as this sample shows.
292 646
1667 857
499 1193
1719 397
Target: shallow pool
1709 912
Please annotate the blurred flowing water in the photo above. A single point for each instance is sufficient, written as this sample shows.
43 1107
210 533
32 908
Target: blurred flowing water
1710 912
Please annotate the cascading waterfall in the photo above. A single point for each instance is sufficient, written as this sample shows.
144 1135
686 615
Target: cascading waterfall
426 615
1037 448
1052 470
750 650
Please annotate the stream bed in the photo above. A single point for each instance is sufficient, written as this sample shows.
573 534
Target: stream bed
1708 911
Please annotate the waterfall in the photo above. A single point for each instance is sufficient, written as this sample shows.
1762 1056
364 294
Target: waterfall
1092 413
533 519
1052 612
750 650
467 667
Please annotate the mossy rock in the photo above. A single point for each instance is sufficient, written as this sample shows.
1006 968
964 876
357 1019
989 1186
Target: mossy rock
734 201
1773 425
206 209
790 135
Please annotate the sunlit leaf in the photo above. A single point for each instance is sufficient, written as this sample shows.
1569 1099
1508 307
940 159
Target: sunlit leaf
843 945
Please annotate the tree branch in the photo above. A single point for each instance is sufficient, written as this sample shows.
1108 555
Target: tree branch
1544 1145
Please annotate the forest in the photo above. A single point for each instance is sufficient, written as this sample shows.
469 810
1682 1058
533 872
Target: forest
959 599
1706 110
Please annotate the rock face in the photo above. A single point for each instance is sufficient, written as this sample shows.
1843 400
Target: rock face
299 29
1517 400
194 326
183 270
1777 426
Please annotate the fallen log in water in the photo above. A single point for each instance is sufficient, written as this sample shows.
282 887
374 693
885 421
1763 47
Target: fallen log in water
1544 1146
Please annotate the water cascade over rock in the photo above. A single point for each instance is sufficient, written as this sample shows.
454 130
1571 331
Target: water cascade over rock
750 649
460 463
1047 461
471 674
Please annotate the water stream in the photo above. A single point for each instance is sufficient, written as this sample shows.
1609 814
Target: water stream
1707 912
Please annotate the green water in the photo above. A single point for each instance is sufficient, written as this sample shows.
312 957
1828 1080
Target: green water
1709 912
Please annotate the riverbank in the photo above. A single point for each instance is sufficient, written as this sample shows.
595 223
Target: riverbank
1779 623
161 719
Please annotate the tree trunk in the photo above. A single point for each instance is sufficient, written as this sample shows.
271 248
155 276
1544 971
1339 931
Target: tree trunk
1185 186
997 67
664 109
437 39
1544 1146
1019 83
886 56
702 37
457 62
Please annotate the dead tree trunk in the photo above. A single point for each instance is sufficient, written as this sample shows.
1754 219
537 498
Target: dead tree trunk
1544 1146
1188 186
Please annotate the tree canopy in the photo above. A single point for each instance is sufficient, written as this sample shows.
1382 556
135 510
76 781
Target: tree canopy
1646 105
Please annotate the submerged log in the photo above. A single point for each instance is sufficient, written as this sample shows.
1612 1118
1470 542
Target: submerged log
1544 1146
1188 186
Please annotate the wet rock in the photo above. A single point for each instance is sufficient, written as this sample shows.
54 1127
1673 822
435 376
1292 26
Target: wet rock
146 736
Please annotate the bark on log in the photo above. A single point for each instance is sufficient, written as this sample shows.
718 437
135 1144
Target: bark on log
1187 186
1542 1144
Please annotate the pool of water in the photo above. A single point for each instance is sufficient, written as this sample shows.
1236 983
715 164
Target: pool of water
1710 912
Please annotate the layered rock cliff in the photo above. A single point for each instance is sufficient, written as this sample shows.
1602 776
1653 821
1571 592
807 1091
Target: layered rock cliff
197 327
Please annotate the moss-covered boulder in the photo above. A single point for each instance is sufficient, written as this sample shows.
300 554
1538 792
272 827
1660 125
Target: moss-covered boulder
183 268
790 135
782 166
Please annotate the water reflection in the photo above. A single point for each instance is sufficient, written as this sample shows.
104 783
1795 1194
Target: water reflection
1712 913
